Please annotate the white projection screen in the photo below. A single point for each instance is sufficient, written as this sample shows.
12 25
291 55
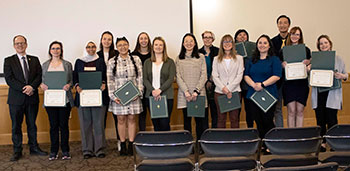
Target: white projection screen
75 22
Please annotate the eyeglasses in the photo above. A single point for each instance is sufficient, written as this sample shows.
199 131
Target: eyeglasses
55 48
293 34
230 41
207 37
20 43
90 47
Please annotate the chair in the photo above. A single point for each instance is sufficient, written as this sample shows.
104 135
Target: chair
331 166
167 150
292 147
338 138
230 149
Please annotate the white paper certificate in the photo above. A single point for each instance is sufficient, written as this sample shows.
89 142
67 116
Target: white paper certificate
54 98
91 98
295 71
321 78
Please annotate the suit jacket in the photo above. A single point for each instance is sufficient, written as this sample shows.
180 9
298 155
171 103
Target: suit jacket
67 68
230 77
15 79
167 75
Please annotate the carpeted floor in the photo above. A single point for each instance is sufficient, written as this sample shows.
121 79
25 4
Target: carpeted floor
112 161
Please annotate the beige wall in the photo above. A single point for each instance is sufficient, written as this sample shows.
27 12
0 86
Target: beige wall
315 17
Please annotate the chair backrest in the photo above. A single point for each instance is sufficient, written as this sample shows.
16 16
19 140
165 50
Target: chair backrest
331 166
230 142
338 137
286 141
164 145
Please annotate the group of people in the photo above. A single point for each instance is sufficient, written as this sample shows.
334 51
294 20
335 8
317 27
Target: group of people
209 71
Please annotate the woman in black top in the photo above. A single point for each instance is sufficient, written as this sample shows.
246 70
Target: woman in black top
143 50
107 52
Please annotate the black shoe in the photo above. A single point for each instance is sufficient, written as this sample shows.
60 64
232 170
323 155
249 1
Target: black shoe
130 149
16 156
323 149
123 151
38 151
102 155
53 156
87 156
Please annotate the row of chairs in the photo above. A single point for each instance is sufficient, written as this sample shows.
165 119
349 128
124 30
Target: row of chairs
239 149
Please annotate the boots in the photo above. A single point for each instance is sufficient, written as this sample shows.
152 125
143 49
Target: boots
123 151
130 148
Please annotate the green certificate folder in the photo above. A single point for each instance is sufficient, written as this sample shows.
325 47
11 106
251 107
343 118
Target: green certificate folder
336 85
240 48
127 93
158 109
323 60
227 105
294 53
90 80
250 48
263 99
55 79
196 108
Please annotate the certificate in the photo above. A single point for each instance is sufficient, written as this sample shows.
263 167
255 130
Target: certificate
295 71
91 98
321 78
54 98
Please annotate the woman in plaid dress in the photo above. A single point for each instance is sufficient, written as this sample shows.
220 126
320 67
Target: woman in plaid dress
121 69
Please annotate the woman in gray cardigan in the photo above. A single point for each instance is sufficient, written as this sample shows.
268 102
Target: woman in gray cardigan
58 116
326 104
158 78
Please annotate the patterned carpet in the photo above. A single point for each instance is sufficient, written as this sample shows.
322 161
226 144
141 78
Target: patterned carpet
112 161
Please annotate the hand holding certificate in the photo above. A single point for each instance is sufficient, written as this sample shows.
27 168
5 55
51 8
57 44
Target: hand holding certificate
158 108
321 78
295 68
196 108
55 96
295 71
91 98
322 67
227 105
127 93
90 83
263 99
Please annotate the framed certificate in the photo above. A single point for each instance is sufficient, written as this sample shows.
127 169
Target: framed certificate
321 78
158 109
91 98
295 71
55 98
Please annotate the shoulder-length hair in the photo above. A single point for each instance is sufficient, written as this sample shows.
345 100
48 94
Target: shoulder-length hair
195 52
111 51
293 31
256 54
326 37
165 54
227 37
58 43
138 45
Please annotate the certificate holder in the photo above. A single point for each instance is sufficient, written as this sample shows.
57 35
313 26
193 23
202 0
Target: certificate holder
91 95
196 108
336 85
55 96
295 71
250 48
241 50
127 93
227 105
263 99
158 109
321 78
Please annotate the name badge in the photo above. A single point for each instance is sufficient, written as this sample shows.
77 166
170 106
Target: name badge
89 68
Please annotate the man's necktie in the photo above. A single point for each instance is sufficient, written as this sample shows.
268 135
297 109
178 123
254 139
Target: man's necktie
26 70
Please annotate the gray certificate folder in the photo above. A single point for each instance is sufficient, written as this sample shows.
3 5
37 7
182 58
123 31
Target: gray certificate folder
196 108
158 109
323 60
294 53
241 50
336 85
227 105
263 99
55 79
127 93
90 80
250 48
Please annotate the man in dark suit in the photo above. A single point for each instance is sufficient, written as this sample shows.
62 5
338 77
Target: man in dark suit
23 76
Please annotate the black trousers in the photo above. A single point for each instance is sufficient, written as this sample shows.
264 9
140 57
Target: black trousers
115 122
325 117
162 124
201 123
17 113
59 118
142 115
264 121
248 114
